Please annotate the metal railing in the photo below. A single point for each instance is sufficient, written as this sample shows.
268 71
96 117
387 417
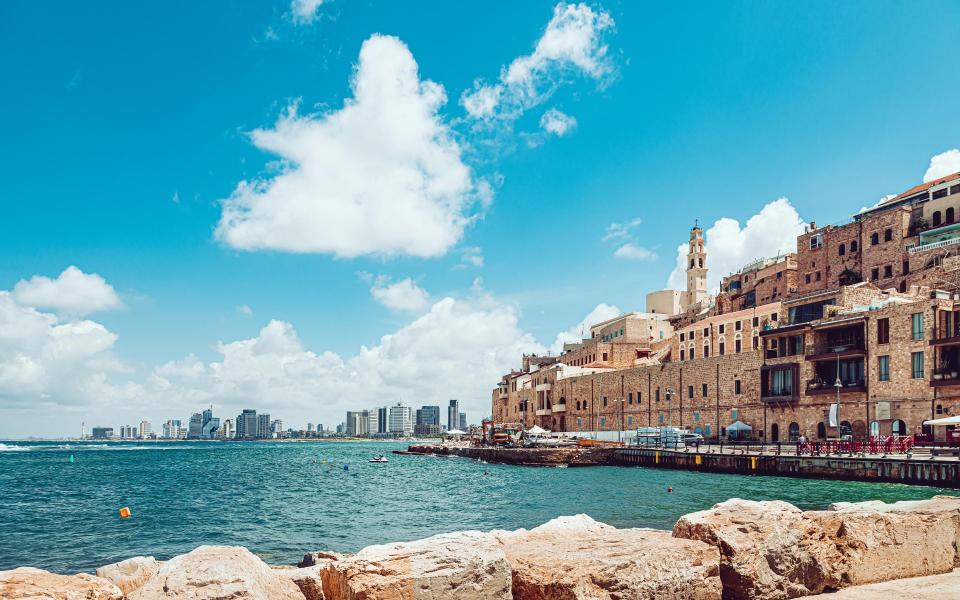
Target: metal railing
933 245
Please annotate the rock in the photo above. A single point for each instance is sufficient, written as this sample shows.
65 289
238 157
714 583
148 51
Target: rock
130 574
768 550
931 587
882 541
774 550
308 579
577 558
467 565
313 558
217 572
27 583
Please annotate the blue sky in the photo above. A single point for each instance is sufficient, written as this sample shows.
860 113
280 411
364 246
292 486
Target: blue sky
127 129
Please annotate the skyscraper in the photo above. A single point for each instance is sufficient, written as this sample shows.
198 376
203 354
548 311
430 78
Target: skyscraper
401 420
195 429
383 424
350 423
463 422
263 427
247 424
453 415
145 430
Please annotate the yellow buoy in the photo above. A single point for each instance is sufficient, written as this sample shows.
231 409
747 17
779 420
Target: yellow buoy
125 513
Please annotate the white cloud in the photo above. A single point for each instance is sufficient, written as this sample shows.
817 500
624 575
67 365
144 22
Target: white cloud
245 310
572 44
729 247
73 293
304 11
401 296
632 251
581 330
943 164
380 176
621 231
555 122
472 256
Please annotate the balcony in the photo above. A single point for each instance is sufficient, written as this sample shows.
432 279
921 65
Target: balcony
544 387
503 395
832 347
947 334
778 396
819 387
542 412
558 408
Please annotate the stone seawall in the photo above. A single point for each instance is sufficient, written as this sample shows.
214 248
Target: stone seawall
570 456
739 549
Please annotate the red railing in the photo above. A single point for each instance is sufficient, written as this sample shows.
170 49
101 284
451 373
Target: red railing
879 444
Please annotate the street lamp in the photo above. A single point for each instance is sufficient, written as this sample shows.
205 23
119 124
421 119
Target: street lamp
838 385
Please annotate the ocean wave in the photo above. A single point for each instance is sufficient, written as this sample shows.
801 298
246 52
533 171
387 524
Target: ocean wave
13 448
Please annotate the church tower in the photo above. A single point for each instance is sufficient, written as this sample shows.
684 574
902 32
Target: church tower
696 268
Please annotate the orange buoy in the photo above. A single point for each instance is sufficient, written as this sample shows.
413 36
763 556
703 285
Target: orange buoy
125 513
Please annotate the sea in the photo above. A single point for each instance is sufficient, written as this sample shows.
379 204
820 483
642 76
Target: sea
60 501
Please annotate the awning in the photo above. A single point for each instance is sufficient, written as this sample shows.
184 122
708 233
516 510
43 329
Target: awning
537 430
944 421
739 426
456 432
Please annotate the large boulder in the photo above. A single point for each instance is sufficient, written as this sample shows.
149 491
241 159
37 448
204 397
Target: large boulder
774 550
880 541
27 583
215 573
467 565
577 558
768 550
130 574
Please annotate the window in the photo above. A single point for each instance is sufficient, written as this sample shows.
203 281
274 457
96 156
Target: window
689 391
738 325
955 189
681 337
807 278
604 400
883 331
853 246
940 194
630 398
818 275
604 357
874 238
693 334
756 321
906 266
816 241
721 327
883 368
773 316
950 215
916 360
875 274
842 249
658 395
888 235
703 390
936 218
706 332
736 387
736 345
888 271
722 348
578 405
916 326
706 351
756 340
692 354
682 353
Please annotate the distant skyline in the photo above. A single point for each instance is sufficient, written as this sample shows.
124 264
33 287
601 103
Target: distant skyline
303 207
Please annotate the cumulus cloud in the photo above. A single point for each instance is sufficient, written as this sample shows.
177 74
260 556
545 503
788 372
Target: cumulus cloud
772 231
557 123
943 164
601 312
632 251
380 176
73 293
305 11
621 231
400 296
573 44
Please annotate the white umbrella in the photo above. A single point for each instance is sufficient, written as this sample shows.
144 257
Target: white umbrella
456 432
537 430
944 421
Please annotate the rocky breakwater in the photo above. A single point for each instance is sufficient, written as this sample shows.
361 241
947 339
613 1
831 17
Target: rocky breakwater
737 549
552 456
774 550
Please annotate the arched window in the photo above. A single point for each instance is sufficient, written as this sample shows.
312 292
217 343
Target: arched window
692 355
682 353
737 344
722 346
950 217
939 409
874 428
845 428
936 218
706 349
794 432
899 427
821 431
578 405
774 433
853 246
874 239
841 250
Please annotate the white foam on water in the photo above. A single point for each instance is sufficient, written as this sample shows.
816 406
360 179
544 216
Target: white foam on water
13 448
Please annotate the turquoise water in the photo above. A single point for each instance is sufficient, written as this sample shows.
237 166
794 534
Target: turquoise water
280 499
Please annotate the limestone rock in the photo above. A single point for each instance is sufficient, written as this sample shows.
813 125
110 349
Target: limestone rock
215 573
27 583
467 565
577 558
768 550
130 574
882 541
308 579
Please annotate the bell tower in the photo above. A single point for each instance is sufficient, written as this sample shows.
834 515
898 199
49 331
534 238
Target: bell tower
696 267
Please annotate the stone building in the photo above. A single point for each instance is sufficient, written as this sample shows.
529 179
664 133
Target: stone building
760 282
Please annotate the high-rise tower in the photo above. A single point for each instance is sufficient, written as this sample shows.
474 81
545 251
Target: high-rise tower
696 268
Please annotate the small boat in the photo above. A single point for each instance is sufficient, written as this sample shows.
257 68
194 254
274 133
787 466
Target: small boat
379 459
